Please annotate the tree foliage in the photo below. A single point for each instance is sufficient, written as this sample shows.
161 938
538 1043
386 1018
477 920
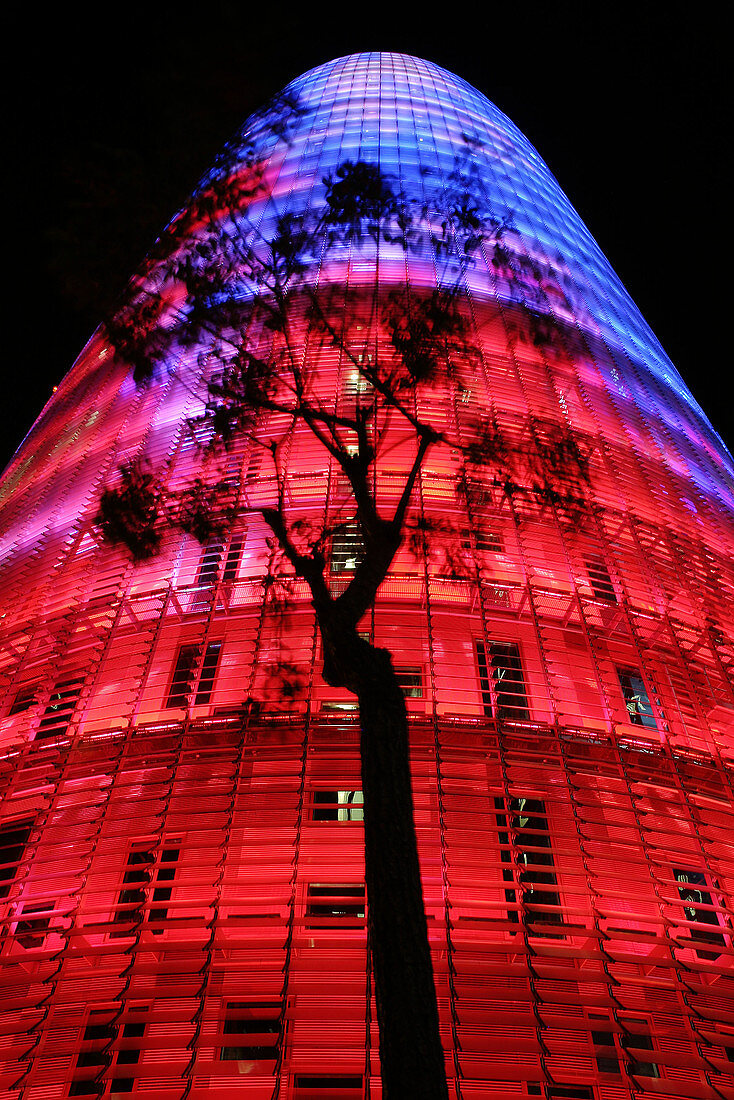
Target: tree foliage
233 282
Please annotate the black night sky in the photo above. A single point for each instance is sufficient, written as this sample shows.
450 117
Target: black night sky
115 117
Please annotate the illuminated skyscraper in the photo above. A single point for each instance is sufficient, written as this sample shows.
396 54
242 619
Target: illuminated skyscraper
181 854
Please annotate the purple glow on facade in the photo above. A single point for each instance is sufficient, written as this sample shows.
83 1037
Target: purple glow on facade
570 693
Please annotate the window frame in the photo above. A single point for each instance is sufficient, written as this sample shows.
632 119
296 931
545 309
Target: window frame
494 699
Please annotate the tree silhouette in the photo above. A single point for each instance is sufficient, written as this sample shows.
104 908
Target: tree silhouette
245 300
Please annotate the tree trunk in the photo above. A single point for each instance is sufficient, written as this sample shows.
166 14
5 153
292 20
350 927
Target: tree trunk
411 1054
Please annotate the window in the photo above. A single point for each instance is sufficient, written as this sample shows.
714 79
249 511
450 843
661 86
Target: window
185 675
569 1092
636 698
30 931
60 708
209 563
485 541
355 383
98 1052
164 872
695 894
328 905
637 1039
233 559
411 682
93 1055
605 1049
501 680
14 837
599 579
142 871
257 1027
25 698
129 1055
208 673
527 843
320 1086
347 549
336 805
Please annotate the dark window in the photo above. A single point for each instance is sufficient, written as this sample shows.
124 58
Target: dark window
182 680
97 1053
93 1056
317 1086
639 1041
484 540
13 840
569 1092
25 698
60 708
209 563
30 930
131 898
636 698
501 680
232 561
143 871
695 894
328 905
208 674
335 805
601 582
185 674
164 872
606 1051
347 549
258 1030
528 842
411 682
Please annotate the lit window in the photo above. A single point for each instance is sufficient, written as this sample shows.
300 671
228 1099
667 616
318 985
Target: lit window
355 383
335 805
501 680
695 893
328 905
347 549
411 682
636 699
257 1027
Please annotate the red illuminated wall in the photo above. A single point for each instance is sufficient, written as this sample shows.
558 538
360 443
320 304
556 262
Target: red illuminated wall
181 853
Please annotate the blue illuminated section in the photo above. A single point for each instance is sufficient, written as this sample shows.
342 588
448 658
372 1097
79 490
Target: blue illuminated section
415 119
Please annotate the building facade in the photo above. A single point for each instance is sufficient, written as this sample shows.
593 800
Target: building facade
181 853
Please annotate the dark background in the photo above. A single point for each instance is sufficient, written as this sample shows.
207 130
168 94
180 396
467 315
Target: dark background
116 113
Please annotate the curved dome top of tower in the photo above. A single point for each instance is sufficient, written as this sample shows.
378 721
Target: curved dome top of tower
432 136
423 126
